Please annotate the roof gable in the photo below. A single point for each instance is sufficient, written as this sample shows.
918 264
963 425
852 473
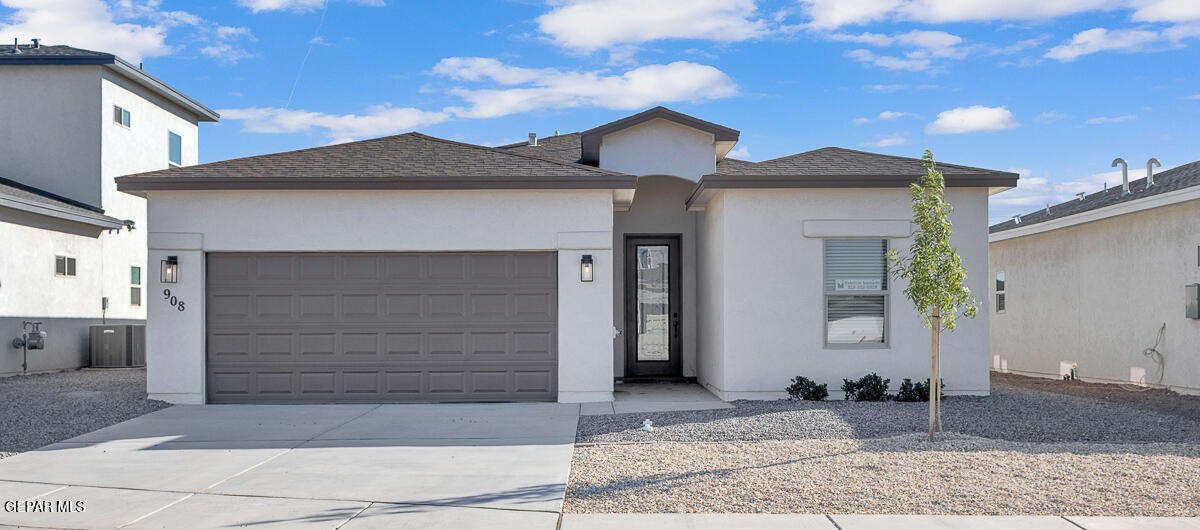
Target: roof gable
834 161
590 139
411 160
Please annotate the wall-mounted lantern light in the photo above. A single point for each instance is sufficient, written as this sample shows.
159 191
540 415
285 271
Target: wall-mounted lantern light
170 270
585 268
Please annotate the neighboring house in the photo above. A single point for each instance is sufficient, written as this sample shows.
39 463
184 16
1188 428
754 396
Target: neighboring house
411 268
72 120
1088 284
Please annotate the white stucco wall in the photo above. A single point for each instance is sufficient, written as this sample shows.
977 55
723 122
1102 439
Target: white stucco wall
1096 294
569 222
710 306
50 137
659 147
771 287
658 209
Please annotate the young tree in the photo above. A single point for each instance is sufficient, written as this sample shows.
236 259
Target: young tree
934 271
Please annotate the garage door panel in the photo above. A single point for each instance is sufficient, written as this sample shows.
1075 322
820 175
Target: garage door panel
382 327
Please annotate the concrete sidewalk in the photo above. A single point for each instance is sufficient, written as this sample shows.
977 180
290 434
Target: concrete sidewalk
718 521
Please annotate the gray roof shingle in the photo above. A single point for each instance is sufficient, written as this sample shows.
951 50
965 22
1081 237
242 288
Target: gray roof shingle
410 156
26 52
20 196
835 161
563 147
1185 176
12 188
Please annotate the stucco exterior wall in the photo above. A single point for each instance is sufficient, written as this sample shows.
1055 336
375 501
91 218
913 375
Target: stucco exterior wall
1096 294
50 137
658 209
573 223
659 147
773 315
710 306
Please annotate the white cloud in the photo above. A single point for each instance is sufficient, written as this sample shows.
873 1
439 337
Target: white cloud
1114 119
1167 10
589 25
832 14
130 29
1100 39
1050 116
378 120
972 119
887 141
922 46
890 62
883 116
259 6
528 89
884 89
1193 96
741 153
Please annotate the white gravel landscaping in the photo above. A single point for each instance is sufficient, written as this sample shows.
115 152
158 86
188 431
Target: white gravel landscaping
1018 451
41 409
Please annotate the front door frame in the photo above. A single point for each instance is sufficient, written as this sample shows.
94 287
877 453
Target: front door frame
673 366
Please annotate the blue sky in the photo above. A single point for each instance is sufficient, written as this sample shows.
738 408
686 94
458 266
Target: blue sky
1054 89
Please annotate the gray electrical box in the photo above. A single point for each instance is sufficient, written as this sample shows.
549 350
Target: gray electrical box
118 346
1193 300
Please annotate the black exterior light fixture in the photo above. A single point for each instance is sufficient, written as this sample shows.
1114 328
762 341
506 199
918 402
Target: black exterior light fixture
585 268
170 270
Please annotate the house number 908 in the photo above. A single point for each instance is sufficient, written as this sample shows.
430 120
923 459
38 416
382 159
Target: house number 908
175 302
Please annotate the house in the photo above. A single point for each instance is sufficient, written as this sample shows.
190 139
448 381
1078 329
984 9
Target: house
75 248
1104 286
412 268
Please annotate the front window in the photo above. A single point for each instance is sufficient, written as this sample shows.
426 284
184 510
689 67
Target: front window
64 266
176 148
856 291
121 116
1000 292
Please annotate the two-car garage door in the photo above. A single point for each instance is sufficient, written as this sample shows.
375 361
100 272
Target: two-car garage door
381 327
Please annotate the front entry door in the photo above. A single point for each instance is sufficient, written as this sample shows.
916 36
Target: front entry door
652 306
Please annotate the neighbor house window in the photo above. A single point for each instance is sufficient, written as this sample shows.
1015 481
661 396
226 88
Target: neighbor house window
856 291
135 286
175 147
120 116
64 266
1000 292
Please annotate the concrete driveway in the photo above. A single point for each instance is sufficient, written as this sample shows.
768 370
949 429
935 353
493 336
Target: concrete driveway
320 466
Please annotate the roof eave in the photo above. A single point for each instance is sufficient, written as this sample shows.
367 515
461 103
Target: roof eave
138 185
709 183
202 113
50 210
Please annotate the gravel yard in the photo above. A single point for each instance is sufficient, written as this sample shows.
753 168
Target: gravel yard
1018 451
42 409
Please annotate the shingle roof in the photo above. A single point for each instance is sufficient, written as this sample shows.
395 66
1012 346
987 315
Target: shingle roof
835 161
27 54
1185 176
20 196
563 147
389 161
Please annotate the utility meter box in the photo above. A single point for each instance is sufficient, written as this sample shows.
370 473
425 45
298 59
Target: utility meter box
1193 300
118 346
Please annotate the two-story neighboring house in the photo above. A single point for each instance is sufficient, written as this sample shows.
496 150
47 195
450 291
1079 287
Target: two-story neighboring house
74 248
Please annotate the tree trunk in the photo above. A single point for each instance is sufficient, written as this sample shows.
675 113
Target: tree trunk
934 380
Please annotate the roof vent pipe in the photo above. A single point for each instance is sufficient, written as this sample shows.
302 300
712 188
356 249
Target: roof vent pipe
1016 219
16 49
37 43
1124 175
1080 195
1150 165
532 138
1047 208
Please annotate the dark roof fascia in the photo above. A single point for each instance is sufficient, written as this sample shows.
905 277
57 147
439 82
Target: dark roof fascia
58 212
716 182
590 139
119 65
142 184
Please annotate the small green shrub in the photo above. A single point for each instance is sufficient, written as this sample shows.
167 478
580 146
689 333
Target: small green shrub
918 391
870 387
806 389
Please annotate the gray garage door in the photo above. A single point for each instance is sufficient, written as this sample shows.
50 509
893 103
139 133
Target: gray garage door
376 327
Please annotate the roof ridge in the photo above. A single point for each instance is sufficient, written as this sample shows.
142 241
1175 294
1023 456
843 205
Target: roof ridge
882 155
525 143
523 155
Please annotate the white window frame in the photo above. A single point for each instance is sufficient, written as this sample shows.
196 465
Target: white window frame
68 260
123 111
1000 277
887 304
172 163
138 285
